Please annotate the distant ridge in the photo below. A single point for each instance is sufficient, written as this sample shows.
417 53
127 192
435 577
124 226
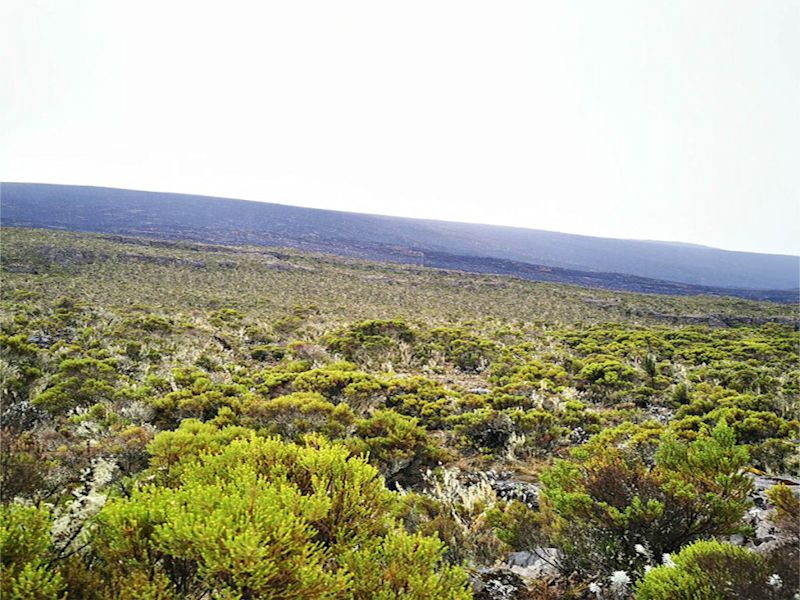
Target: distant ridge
201 218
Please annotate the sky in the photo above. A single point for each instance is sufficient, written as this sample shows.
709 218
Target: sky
671 120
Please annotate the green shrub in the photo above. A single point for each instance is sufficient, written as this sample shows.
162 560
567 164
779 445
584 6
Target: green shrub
25 554
200 399
605 372
226 316
541 374
265 352
150 323
397 445
542 429
485 430
420 397
260 518
18 367
609 500
24 465
79 382
171 451
297 414
517 525
401 565
329 381
708 570
787 509
372 341
462 348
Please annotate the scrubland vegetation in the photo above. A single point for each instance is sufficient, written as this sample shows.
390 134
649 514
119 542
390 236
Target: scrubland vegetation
188 421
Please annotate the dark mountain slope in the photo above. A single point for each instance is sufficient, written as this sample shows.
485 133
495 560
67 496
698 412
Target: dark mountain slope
221 220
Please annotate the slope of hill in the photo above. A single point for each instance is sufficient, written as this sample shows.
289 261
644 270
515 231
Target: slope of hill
184 420
226 221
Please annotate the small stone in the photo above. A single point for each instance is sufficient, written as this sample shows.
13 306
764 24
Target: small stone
737 540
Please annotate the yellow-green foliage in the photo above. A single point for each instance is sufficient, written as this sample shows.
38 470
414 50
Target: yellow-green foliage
420 397
297 414
787 509
400 565
261 518
78 382
397 445
24 552
708 570
171 451
18 365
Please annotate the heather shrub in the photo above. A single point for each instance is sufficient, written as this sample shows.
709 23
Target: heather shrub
786 509
517 525
172 451
237 536
198 398
485 430
403 565
459 512
25 546
420 397
256 517
267 352
605 372
78 382
297 414
466 351
535 372
24 465
708 570
783 556
331 381
18 368
488 431
373 342
607 501
397 446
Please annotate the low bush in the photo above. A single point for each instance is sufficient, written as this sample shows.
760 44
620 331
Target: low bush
709 570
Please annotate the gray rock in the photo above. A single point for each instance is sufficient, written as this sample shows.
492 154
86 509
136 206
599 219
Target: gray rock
765 534
736 540
481 391
507 488
539 563
42 340
767 539
521 559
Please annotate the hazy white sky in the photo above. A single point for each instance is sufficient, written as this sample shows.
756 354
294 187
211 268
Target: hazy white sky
674 120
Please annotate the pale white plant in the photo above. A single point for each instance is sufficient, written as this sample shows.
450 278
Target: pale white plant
69 526
667 561
537 399
500 590
138 412
618 583
570 393
451 492
643 550
775 581
405 352
88 429
8 373
515 442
